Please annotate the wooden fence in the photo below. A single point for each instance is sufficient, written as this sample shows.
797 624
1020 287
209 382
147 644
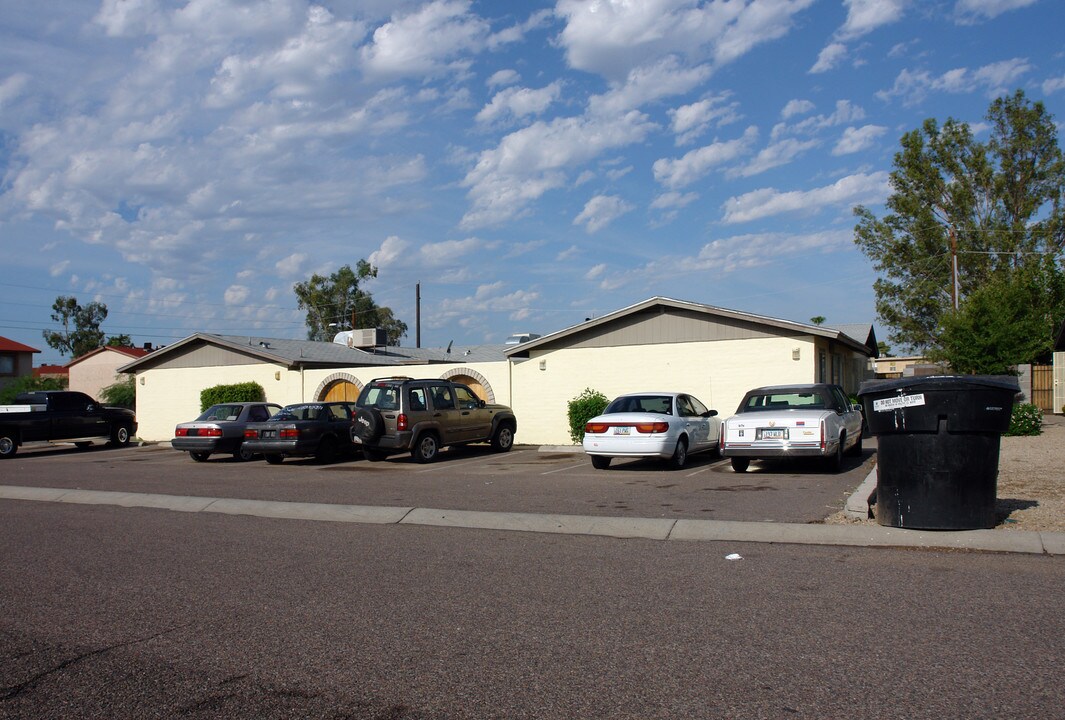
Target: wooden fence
1043 387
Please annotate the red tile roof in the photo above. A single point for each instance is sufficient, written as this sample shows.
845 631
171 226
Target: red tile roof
7 345
50 370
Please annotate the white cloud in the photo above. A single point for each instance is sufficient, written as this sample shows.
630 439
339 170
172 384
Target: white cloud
746 251
829 58
610 37
649 83
1053 85
236 294
796 107
691 121
503 77
858 139
677 173
975 10
519 102
392 250
290 266
767 202
673 200
993 79
442 253
774 155
426 42
59 268
864 16
600 211
595 272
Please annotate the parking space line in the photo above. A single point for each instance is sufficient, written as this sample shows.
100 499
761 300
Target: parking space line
471 461
569 467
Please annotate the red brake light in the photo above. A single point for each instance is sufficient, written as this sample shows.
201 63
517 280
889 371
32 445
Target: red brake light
288 433
596 428
210 432
251 433
401 422
655 427
181 432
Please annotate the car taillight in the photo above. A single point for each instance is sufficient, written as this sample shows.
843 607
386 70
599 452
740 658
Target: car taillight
181 432
401 422
288 433
251 433
824 439
596 428
652 427
210 432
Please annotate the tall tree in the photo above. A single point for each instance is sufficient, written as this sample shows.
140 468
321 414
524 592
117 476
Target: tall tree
81 326
963 218
338 301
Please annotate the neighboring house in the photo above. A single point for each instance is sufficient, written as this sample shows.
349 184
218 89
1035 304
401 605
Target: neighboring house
97 369
660 344
908 366
16 361
52 372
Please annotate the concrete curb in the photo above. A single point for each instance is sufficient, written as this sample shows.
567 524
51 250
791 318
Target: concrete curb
859 504
602 526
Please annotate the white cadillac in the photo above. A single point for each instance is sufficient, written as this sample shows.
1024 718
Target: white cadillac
787 421
665 425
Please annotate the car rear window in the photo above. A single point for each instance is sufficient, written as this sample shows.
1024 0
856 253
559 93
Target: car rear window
661 404
784 401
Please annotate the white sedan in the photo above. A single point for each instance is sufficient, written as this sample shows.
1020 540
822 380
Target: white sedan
787 421
665 425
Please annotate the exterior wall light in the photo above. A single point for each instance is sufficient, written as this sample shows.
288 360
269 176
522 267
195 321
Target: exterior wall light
796 353
543 364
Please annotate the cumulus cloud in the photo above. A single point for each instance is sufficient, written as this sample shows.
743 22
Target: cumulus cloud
863 188
746 251
237 294
691 121
994 79
796 107
392 250
600 211
683 171
290 266
503 77
858 139
976 10
429 41
449 251
673 200
864 16
1053 85
774 155
612 37
519 103
829 58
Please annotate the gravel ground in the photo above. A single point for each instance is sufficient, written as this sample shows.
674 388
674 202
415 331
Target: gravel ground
1031 481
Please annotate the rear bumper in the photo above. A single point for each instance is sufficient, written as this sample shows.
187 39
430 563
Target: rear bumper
387 443
778 450
280 447
661 446
206 444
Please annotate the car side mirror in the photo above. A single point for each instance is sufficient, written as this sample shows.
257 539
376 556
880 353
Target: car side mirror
710 413
481 403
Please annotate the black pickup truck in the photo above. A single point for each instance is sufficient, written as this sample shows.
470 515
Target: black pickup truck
62 416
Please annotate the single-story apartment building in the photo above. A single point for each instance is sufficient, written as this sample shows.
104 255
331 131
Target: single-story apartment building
713 353
16 360
92 372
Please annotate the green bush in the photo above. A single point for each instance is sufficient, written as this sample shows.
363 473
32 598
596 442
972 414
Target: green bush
583 408
122 394
239 392
1027 419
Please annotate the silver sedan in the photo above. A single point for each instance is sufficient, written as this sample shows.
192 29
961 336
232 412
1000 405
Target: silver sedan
665 425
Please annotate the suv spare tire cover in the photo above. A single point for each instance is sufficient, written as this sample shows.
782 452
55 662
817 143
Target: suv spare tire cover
369 425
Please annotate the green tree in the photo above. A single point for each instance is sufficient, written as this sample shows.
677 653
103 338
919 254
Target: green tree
818 319
122 340
81 326
964 217
338 301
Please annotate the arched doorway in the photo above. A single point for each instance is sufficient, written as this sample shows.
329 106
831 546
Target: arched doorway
474 380
339 387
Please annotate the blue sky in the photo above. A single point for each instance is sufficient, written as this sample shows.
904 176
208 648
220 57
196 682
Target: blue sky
530 164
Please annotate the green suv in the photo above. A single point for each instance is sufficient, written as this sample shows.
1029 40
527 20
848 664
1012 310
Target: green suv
397 414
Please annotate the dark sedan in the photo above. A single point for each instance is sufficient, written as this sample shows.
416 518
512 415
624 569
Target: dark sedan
220 429
321 430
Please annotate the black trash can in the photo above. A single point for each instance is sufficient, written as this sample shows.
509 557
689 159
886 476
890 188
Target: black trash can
937 448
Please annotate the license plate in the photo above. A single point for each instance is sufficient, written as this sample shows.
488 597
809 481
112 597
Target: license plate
268 433
775 434
622 430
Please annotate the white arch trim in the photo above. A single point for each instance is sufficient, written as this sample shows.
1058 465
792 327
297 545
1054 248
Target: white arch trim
471 373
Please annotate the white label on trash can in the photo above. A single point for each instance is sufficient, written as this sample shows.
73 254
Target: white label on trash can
894 403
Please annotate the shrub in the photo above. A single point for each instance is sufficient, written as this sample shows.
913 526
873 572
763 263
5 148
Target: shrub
239 392
583 408
28 383
122 394
1027 419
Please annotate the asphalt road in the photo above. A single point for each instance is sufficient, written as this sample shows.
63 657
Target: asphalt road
139 613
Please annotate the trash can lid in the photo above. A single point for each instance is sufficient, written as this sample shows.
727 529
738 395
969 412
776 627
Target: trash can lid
941 382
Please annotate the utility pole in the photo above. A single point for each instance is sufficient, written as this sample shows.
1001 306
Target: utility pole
954 288
417 315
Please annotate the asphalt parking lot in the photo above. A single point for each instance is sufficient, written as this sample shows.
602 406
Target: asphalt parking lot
527 479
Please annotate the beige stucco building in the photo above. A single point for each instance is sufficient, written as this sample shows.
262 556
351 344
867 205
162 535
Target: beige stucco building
97 369
713 353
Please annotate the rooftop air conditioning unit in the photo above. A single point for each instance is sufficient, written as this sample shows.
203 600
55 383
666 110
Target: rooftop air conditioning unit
363 338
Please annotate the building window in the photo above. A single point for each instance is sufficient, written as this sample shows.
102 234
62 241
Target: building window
7 364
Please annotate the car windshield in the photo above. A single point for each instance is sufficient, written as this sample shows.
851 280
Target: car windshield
784 401
221 412
660 404
299 412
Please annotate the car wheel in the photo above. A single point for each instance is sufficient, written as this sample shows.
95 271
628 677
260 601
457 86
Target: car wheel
327 450
856 451
835 461
503 438
368 424
373 455
680 455
600 462
274 459
244 454
120 435
740 464
199 456
8 446
426 449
